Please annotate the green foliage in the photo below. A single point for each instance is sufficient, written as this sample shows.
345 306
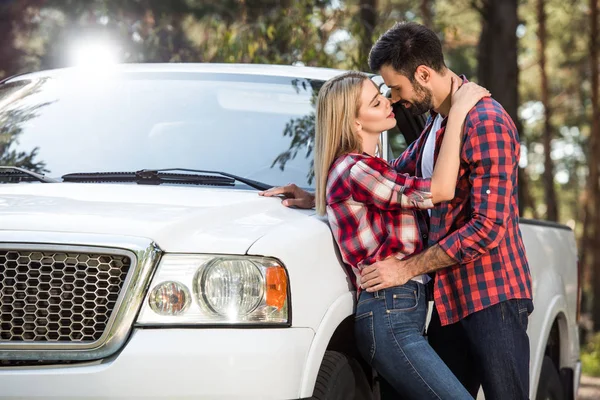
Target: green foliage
301 130
569 80
590 357
332 33
11 121
281 34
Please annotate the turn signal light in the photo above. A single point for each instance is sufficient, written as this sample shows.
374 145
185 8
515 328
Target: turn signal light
276 284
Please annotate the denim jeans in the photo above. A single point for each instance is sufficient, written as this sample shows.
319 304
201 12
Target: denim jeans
389 327
489 348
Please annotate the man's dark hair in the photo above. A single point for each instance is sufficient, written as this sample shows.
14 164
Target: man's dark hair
406 46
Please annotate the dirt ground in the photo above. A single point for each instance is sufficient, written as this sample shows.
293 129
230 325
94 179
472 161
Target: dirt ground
589 388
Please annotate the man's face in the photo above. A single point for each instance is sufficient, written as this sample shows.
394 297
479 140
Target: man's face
413 96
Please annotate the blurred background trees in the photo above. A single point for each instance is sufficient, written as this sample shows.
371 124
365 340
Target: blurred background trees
538 58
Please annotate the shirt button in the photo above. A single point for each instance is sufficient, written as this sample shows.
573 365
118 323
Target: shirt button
488 191
424 236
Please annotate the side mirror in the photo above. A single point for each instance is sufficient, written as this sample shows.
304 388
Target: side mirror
409 125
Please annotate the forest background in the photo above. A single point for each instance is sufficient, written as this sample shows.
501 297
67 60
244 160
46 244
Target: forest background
539 58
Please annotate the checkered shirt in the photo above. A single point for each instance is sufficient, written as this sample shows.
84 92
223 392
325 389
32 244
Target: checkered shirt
371 211
479 228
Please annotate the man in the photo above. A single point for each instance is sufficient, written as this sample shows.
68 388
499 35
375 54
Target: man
482 289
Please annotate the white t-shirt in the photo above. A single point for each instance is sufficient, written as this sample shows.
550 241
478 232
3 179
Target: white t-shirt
429 149
427 169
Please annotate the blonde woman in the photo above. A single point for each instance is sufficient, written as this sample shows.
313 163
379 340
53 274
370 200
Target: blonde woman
371 211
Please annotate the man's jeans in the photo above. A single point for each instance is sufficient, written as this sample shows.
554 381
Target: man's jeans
389 327
488 348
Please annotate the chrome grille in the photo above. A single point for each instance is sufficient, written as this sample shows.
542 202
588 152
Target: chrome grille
48 296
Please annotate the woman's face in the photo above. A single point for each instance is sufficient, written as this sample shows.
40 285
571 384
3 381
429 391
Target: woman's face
375 113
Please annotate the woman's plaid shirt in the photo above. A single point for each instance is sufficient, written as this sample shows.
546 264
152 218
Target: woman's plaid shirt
479 228
371 210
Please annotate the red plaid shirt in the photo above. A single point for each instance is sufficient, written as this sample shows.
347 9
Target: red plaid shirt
479 228
371 210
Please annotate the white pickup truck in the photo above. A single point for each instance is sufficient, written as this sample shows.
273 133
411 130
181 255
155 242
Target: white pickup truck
138 262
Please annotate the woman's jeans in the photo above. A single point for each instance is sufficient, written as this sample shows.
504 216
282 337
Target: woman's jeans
389 328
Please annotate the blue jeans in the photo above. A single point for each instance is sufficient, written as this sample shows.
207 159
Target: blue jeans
489 348
389 327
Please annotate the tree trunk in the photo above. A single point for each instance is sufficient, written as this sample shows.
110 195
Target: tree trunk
10 14
594 157
426 13
525 198
548 177
367 21
585 249
497 67
16 16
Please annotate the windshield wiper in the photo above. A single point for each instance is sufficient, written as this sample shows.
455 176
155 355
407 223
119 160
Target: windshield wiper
250 182
17 174
148 178
159 176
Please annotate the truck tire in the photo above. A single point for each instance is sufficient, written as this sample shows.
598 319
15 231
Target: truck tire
550 387
341 378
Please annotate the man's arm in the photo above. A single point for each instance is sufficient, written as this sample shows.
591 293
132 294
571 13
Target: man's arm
490 149
430 260
393 272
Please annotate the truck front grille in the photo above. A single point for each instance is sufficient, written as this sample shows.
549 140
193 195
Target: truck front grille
60 297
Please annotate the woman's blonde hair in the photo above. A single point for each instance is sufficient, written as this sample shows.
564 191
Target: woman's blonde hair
337 108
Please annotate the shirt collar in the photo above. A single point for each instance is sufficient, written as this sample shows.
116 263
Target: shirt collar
433 113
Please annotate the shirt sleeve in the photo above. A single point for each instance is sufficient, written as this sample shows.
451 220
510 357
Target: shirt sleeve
491 149
374 182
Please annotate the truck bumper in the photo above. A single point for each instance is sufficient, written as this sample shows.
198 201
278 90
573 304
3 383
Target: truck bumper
177 364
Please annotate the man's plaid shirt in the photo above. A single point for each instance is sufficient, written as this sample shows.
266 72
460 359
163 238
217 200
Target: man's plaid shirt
479 228
371 210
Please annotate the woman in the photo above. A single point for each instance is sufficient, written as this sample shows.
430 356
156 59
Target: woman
371 211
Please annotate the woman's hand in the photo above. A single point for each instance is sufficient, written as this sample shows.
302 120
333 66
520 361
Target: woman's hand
294 196
464 100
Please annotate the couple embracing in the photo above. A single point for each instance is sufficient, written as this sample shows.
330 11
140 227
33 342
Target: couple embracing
440 222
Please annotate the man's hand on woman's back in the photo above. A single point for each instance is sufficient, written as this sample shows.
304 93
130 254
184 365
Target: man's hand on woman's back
293 195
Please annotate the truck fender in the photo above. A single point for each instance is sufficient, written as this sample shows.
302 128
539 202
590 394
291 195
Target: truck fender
339 310
554 311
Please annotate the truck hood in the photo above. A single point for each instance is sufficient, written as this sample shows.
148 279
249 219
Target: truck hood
187 219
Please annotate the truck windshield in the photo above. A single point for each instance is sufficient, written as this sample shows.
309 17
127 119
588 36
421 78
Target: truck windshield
259 127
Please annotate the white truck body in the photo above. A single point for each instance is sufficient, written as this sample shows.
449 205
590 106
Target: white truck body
193 361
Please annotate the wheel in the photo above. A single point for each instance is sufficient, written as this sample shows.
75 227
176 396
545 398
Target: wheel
341 378
363 390
550 387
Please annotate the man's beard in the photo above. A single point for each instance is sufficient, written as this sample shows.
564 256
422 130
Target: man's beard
418 107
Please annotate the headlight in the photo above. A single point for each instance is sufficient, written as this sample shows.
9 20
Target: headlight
169 298
230 287
217 290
